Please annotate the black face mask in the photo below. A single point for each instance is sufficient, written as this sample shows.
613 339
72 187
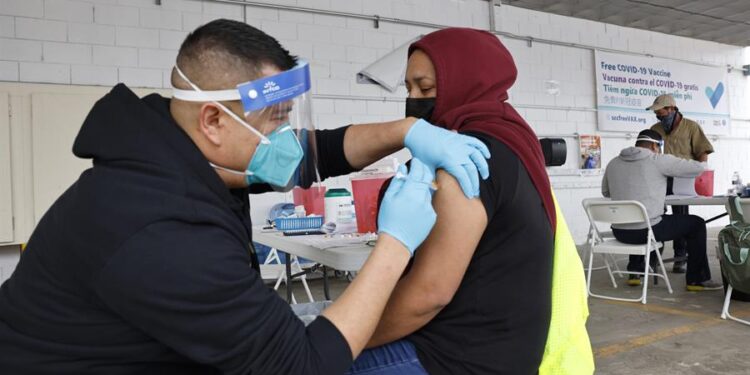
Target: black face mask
420 107
667 121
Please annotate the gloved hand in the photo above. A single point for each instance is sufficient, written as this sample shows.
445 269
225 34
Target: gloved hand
459 155
406 212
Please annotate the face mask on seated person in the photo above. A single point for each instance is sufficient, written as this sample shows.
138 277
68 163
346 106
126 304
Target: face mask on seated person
420 108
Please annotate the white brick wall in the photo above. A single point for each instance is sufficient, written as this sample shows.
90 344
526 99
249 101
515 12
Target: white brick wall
363 55
115 56
72 11
66 53
102 42
331 52
171 40
20 50
116 15
158 19
44 72
32 28
350 107
136 37
23 8
93 75
182 5
221 9
313 33
140 77
156 58
255 14
331 86
7 26
91 33
8 71
282 30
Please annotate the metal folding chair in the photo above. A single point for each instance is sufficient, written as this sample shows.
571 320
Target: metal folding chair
603 242
272 268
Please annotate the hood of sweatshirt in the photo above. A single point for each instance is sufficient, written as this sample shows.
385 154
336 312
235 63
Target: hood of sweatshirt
635 153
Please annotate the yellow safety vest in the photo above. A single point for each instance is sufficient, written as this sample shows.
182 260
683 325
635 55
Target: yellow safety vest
568 350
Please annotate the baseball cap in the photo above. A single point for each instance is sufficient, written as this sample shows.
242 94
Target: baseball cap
662 101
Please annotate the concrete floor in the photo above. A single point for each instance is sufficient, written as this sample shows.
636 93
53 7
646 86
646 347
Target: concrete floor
679 333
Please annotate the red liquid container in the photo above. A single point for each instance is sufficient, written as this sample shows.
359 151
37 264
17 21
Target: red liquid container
312 199
704 183
366 190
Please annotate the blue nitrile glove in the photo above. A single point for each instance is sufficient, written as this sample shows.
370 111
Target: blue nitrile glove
406 212
459 155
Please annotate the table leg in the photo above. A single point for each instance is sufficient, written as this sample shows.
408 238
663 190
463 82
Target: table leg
288 258
325 284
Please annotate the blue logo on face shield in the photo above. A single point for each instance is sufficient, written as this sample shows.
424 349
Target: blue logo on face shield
270 87
278 88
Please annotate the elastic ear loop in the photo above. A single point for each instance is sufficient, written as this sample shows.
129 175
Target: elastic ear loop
232 171
263 138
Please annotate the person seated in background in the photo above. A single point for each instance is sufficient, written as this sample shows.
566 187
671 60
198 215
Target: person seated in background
640 173
477 298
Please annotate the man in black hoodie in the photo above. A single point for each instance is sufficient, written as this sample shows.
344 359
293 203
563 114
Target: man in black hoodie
142 265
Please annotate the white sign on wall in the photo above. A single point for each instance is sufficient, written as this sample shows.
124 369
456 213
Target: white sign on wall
626 85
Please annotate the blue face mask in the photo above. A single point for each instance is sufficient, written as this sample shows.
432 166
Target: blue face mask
666 121
275 162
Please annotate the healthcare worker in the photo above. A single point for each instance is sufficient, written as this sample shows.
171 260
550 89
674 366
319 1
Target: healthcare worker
143 264
683 138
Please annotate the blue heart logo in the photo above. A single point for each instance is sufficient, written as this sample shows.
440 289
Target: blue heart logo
714 95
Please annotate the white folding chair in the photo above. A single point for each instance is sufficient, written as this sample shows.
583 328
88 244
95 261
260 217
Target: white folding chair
585 248
745 208
602 242
272 268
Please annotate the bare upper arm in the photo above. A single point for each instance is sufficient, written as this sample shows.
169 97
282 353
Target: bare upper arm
441 261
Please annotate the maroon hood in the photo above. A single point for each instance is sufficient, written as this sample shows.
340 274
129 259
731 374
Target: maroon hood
474 72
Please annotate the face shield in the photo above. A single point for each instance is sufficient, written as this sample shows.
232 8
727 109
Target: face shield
278 110
659 143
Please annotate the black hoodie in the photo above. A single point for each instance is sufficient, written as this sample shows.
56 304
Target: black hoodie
141 266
